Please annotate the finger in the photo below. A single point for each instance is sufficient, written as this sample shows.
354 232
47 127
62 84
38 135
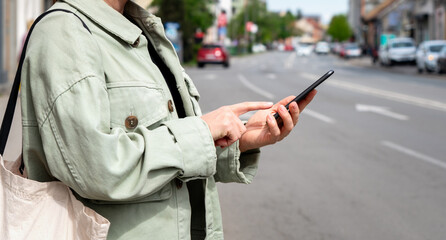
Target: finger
272 126
294 112
285 101
307 99
225 142
222 142
287 120
241 108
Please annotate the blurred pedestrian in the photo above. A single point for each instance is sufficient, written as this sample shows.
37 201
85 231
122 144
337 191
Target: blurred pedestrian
108 110
199 35
222 21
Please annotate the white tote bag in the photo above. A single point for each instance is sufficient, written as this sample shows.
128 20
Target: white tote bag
43 210
31 210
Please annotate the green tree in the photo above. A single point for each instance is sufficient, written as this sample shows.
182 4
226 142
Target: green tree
339 28
191 15
271 25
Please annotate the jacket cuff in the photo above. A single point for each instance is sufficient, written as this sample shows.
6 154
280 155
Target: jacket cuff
197 147
233 166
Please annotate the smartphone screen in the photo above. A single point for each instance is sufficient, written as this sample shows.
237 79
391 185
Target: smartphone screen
303 94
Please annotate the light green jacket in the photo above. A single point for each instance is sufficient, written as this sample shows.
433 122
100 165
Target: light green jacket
78 89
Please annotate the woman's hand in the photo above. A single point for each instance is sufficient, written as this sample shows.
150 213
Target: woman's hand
262 128
225 125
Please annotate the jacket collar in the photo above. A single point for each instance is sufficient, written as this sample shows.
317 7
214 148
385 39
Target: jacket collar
110 19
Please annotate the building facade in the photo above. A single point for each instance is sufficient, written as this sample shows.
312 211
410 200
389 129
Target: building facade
418 19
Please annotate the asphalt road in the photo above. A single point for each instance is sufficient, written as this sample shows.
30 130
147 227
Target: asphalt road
366 161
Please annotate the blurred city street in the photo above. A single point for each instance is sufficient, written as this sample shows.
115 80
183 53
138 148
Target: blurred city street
367 160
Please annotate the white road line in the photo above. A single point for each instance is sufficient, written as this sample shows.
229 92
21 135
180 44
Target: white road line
289 62
254 88
318 116
381 110
415 154
399 97
211 76
271 76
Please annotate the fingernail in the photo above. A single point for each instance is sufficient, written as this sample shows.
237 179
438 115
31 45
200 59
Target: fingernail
282 108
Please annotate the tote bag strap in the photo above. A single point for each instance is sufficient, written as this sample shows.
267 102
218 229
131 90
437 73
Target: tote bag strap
9 113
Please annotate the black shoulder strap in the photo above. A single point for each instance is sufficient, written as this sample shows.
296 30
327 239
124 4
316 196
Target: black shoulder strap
9 114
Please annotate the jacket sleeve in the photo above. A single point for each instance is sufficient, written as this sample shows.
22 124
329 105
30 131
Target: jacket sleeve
232 165
82 150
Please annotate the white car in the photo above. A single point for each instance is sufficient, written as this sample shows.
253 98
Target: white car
397 50
427 55
304 49
322 48
258 48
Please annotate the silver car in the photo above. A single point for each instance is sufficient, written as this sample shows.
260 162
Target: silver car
397 50
427 55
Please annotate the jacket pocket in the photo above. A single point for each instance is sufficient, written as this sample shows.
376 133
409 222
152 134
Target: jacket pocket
140 100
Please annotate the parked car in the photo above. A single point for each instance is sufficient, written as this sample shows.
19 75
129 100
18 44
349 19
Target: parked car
288 47
258 48
350 50
212 54
336 48
441 61
322 48
427 55
397 50
304 49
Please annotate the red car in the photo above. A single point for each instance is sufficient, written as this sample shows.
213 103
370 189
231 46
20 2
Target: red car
212 54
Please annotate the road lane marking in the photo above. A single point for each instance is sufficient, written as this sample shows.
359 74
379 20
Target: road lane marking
415 154
289 62
399 97
381 110
254 88
318 116
211 76
271 76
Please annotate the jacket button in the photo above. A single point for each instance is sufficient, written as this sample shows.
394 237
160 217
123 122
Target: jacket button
170 105
131 122
136 43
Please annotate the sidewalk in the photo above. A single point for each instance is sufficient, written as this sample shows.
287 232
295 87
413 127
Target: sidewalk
399 68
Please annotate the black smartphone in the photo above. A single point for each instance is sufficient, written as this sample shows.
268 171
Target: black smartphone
303 94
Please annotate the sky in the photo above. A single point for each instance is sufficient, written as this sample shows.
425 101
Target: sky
325 8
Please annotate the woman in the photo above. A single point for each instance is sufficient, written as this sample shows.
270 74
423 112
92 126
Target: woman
108 110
